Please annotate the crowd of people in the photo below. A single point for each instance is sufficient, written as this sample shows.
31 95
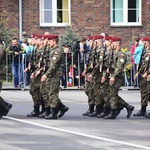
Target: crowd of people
96 62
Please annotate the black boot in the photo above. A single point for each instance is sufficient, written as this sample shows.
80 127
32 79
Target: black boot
34 113
5 107
141 112
106 112
98 111
90 110
112 115
62 109
45 113
129 109
53 115
147 115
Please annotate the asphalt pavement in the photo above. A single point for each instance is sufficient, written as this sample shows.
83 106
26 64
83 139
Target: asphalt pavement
73 131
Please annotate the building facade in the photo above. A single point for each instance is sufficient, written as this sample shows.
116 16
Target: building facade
123 18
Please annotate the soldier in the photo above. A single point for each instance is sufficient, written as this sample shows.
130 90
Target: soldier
141 70
4 106
97 74
52 77
89 84
116 79
35 81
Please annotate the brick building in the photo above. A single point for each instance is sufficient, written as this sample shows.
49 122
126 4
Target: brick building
124 18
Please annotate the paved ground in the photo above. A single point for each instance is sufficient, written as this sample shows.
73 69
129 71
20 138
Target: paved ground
73 131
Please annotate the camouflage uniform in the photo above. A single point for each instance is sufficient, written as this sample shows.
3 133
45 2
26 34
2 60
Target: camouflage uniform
89 85
144 84
54 74
35 85
118 65
4 106
98 92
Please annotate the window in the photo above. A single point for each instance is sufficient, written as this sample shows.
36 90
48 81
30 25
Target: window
54 12
126 13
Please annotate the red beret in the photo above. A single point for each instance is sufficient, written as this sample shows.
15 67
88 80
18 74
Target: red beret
40 36
98 37
34 36
114 39
91 38
145 39
108 38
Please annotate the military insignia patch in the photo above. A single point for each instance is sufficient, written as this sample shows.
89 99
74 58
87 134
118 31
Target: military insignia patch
54 58
122 60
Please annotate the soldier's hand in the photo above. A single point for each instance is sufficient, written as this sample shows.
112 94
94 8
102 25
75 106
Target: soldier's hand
144 75
37 73
26 70
89 77
32 76
136 76
111 81
43 78
103 79
83 73
148 78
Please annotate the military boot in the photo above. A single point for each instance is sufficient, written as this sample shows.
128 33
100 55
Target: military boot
141 112
34 113
147 115
54 113
90 110
106 112
63 109
99 110
5 107
129 109
112 115
45 113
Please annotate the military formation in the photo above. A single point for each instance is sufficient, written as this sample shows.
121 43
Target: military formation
105 76
104 72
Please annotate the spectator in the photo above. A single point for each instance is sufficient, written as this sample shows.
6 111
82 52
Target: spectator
16 50
80 50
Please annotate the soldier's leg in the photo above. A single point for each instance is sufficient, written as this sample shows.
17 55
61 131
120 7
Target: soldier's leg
144 98
53 94
89 91
4 106
98 94
147 115
45 99
36 96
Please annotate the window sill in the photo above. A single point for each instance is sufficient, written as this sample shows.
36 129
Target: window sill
54 25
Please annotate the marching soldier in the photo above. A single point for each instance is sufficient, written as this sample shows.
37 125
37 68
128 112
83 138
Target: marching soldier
52 77
4 106
142 71
97 74
89 84
35 81
116 79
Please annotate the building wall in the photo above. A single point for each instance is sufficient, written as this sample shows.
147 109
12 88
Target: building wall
87 17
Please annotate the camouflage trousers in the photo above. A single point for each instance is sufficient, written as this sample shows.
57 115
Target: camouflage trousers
98 91
114 98
44 94
144 88
35 90
89 91
52 87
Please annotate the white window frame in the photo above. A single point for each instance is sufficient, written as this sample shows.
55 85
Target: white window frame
54 9
125 15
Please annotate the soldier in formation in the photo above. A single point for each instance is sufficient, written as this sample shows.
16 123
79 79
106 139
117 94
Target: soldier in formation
45 67
4 106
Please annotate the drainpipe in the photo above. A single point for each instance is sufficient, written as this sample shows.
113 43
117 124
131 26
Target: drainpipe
20 19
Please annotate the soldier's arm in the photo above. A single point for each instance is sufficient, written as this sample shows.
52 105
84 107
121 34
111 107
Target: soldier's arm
9 51
120 65
54 62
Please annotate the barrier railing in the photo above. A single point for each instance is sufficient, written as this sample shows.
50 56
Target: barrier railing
72 68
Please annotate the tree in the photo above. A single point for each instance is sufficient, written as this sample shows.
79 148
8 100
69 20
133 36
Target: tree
68 39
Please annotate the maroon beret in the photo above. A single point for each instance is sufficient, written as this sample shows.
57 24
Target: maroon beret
114 39
98 37
108 38
145 39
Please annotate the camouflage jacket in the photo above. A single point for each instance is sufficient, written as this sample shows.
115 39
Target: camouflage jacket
2 60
